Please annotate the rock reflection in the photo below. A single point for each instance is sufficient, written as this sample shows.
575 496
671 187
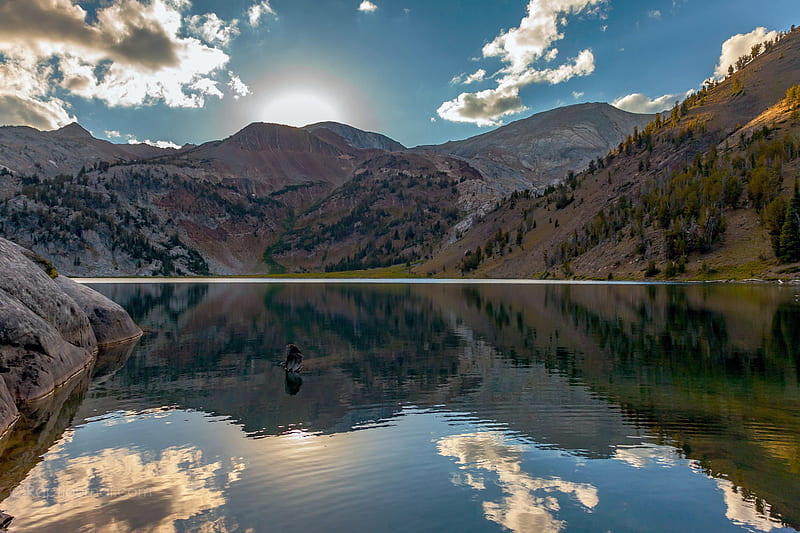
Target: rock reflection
293 383
529 503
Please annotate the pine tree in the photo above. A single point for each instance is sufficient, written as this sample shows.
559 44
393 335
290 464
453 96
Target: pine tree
790 233
774 217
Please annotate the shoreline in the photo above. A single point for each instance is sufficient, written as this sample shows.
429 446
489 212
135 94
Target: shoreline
410 281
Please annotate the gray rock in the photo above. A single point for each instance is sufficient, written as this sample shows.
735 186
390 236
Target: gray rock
36 355
27 282
47 330
8 408
110 322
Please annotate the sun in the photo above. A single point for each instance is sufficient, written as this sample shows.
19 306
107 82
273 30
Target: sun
301 107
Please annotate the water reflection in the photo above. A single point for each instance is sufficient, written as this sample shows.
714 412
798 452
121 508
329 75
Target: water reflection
123 488
746 509
528 503
293 383
629 387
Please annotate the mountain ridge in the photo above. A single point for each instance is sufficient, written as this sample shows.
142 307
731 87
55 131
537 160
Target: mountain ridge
703 192
515 201
544 147
358 138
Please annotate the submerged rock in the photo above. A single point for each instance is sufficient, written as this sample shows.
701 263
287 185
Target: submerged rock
49 328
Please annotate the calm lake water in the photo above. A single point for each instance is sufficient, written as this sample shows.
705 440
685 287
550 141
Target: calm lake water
441 407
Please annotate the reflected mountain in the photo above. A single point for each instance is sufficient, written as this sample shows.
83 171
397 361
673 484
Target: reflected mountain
711 370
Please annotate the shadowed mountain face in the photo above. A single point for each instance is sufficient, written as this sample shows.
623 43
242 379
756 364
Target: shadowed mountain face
535 151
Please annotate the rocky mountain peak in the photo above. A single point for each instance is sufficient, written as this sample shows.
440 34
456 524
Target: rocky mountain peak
266 137
72 131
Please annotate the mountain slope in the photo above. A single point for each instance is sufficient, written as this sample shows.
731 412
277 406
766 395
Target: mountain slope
396 209
694 194
272 156
535 151
26 150
357 138
105 209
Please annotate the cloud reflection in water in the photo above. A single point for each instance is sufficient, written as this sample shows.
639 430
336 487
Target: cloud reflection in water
529 503
121 489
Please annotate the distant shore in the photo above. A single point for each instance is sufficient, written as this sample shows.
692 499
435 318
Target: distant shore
409 280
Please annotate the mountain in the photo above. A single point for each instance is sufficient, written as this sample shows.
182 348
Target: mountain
72 131
356 137
705 191
587 190
270 157
267 198
106 209
397 208
25 150
535 151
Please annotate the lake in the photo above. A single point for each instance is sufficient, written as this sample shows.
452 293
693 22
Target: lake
425 407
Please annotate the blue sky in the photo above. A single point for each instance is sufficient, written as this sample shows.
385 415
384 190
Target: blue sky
420 71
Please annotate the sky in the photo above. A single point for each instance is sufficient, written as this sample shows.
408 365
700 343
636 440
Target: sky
170 72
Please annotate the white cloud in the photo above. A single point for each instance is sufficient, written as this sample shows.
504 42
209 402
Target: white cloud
237 86
476 77
740 45
577 94
639 103
130 53
521 46
367 7
258 11
207 87
113 134
519 49
25 98
483 108
213 29
654 14
158 144
44 115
